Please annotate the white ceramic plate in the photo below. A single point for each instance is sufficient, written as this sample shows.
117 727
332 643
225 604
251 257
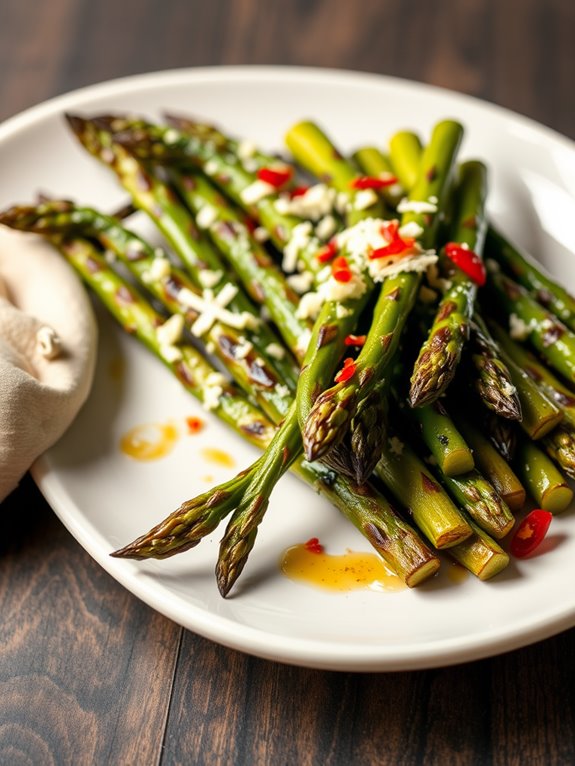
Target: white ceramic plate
106 499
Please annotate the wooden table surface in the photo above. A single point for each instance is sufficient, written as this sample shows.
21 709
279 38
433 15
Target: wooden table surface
89 674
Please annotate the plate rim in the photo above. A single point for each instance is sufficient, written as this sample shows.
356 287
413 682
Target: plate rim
301 652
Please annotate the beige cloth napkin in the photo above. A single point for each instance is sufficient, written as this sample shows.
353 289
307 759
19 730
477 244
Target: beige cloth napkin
47 351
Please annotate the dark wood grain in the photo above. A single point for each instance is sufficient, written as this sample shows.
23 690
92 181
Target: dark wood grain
90 675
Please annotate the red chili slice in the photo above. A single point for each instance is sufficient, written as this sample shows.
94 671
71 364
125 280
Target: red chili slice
355 340
275 176
372 182
313 545
327 253
299 191
340 269
530 533
347 371
468 261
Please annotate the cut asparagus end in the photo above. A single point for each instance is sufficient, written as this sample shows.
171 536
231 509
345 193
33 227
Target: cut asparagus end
480 554
557 498
458 461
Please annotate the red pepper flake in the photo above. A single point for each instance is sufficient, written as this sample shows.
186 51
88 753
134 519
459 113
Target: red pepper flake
347 371
397 245
372 182
355 340
313 545
299 191
468 261
340 269
251 224
530 533
195 425
275 177
327 253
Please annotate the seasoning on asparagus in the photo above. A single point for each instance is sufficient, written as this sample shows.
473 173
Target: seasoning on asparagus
440 354
331 414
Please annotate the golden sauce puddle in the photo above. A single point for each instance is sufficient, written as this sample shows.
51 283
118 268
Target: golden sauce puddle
218 457
150 441
352 570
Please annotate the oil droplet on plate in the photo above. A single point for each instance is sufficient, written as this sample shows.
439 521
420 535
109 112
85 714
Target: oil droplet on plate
218 457
456 573
352 570
150 441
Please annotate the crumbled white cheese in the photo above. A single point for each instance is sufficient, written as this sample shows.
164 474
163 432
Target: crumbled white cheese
170 333
261 234
170 353
416 206
315 203
211 167
275 351
209 278
433 199
395 190
341 311
412 230
243 348
282 390
256 191
212 308
206 216
332 290
518 329
303 341
508 388
326 227
301 283
418 262
211 396
159 270
246 149
309 306
323 275
48 342
216 379
342 203
300 238
171 136
110 256
364 198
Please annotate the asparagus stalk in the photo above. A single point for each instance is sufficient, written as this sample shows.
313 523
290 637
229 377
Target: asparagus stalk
540 414
331 414
542 330
492 465
158 201
405 151
185 142
543 481
538 372
532 276
442 438
492 380
261 278
167 283
480 554
478 498
440 354
560 445
138 318
414 487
